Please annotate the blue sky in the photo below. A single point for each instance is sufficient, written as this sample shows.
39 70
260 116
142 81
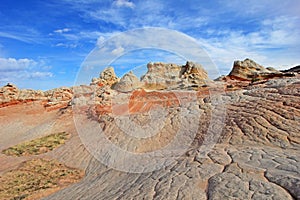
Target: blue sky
42 44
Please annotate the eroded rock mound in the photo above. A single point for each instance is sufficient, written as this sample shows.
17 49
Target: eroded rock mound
256 155
10 95
248 70
55 98
172 76
293 69
251 71
161 75
194 74
106 77
128 83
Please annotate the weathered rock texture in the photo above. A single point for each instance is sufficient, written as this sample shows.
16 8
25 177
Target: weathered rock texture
251 71
56 98
194 74
128 83
293 69
106 77
169 76
256 155
161 75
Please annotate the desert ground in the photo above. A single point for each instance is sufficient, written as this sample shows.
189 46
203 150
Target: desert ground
236 137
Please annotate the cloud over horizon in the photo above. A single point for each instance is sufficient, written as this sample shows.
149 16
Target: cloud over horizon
11 70
265 32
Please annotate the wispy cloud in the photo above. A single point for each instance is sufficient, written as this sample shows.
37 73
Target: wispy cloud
12 64
172 46
39 74
276 43
73 40
19 36
13 70
66 45
228 30
23 33
124 3
64 30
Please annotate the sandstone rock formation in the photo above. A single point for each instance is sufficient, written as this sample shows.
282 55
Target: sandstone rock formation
59 97
251 71
128 83
10 95
194 74
293 70
161 75
255 155
106 77
172 76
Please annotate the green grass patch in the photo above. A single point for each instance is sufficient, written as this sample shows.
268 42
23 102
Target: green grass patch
38 146
37 177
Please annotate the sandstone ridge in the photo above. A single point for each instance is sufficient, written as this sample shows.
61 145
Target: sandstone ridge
255 154
251 71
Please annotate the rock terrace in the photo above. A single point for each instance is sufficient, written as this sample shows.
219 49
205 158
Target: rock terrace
256 155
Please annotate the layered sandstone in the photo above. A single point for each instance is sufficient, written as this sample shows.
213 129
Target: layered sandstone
55 98
127 83
106 77
172 76
251 71
246 144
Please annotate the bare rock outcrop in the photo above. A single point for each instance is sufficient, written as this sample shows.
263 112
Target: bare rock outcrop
106 77
293 70
194 74
172 76
161 75
128 83
248 70
55 98
256 155
59 97
8 93
251 71
11 95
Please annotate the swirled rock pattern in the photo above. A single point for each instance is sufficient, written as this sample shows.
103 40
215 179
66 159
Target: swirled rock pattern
246 144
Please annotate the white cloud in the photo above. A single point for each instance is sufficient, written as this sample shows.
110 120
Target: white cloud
267 33
118 51
264 8
275 44
64 30
40 74
66 45
100 41
12 64
12 69
72 40
20 37
124 3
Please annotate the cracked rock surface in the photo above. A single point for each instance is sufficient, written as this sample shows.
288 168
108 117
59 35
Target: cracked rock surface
255 157
253 148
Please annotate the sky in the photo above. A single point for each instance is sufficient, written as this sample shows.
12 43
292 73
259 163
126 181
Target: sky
43 44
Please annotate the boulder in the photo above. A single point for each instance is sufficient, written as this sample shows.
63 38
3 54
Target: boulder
128 83
8 93
247 70
194 74
172 76
106 77
161 75
292 70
